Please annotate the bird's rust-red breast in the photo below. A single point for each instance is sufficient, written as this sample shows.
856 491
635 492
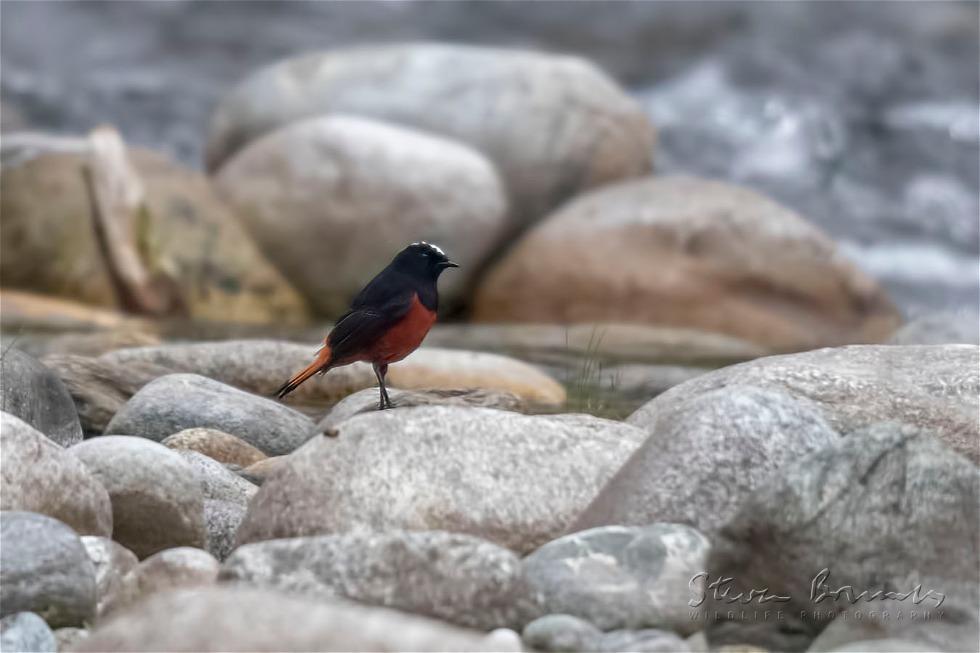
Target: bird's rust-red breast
404 337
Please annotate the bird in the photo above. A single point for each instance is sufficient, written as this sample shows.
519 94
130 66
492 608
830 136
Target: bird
387 320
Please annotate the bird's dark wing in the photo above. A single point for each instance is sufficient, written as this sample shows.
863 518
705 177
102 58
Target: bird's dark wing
359 328
387 287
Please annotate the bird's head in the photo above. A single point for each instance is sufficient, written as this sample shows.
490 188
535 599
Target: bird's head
422 259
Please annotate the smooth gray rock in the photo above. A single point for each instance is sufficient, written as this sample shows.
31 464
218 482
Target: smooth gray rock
951 626
180 567
45 570
181 401
26 632
456 578
366 401
441 190
552 125
877 635
222 519
889 507
503 639
621 577
705 455
226 618
255 366
157 500
218 483
881 646
933 387
516 480
32 392
648 640
40 476
261 366
112 561
226 496
561 633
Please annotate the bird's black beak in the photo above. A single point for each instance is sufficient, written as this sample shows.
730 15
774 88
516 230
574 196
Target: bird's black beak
448 264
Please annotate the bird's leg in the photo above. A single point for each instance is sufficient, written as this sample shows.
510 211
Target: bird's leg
380 371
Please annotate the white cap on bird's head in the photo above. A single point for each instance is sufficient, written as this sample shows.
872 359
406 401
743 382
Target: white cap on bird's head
420 256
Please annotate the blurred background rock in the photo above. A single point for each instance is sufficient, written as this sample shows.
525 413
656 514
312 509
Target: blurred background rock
862 116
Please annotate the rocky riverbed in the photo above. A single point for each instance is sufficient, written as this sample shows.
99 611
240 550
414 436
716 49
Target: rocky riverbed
190 512
686 393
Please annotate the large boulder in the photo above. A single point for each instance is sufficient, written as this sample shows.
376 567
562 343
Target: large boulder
157 501
39 476
261 366
553 125
176 402
430 368
888 508
50 244
707 455
456 578
32 392
620 577
388 186
686 252
516 480
934 387
45 570
240 619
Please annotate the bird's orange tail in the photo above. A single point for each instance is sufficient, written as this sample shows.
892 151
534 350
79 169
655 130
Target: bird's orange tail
321 363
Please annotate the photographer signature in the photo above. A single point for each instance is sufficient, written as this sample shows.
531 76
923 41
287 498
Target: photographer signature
820 590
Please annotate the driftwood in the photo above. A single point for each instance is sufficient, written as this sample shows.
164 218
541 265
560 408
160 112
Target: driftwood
118 203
